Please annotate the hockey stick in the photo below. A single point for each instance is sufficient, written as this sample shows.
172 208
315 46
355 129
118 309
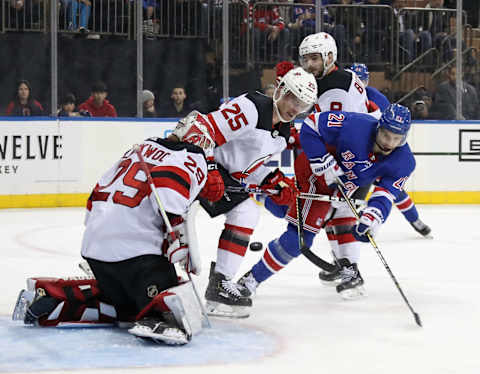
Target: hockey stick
304 249
161 208
377 250
303 195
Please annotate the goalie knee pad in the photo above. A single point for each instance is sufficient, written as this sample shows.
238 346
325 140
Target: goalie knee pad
177 305
55 301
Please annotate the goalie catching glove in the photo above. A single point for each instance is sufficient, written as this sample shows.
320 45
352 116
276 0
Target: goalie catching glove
287 191
214 187
175 246
369 222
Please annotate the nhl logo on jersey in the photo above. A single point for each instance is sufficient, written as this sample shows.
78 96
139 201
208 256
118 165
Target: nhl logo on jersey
152 291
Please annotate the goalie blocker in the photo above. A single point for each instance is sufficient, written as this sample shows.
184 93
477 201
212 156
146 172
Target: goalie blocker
78 302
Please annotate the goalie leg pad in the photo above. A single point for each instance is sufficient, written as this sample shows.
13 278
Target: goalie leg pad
178 303
60 301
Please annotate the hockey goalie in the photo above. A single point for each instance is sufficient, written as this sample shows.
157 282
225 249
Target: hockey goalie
131 248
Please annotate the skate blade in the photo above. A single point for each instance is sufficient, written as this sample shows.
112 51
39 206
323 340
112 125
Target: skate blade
354 293
334 283
429 236
24 300
226 311
172 336
83 325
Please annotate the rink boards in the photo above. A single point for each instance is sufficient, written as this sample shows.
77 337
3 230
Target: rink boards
47 162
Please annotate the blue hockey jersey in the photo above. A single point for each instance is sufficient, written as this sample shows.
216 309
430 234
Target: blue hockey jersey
377 97
350 137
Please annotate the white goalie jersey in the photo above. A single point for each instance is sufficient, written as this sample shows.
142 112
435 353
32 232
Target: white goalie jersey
245 138
122 218
341 90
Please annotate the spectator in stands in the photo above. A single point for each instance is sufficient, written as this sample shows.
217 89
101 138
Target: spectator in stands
176 106
348 30
97 104
24 103
302 23
148 17
269 32
437 22
377 24
269 89
23 14
444 102
409 26
68 106
148 99
71 7
420 106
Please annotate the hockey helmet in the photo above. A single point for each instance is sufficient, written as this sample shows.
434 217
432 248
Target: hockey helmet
397 119
362 72
195 129
302 85
322 43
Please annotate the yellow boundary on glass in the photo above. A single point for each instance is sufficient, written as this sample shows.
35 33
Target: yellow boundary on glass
80 199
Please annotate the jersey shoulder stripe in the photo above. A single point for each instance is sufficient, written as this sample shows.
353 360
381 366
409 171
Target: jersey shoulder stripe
264 106
172 177
219 138
338 79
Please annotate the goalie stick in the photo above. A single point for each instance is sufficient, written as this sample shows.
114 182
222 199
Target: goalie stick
302 195
161 208
377 250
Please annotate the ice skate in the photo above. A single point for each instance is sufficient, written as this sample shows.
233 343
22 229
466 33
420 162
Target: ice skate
249 282
330 279
422 228
351 284
226 298
160 331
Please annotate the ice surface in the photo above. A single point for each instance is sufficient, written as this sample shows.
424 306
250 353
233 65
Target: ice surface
34 349
296 324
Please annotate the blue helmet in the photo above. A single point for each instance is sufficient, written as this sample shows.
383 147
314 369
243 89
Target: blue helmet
361 70
397 119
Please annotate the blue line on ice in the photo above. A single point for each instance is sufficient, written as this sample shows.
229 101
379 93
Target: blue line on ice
24 348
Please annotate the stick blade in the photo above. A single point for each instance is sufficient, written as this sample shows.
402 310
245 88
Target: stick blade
417 319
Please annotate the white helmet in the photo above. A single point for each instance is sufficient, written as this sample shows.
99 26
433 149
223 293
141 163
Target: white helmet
302 85
321 43
195 129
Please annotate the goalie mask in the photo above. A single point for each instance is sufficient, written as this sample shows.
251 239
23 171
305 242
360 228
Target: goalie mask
196 130
321 43
296 93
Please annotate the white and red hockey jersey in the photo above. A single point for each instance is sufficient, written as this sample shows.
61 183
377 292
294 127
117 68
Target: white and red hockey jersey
122 218
246 138
341 90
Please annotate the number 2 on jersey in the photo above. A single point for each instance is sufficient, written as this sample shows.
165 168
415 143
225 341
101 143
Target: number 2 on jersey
130 171
236 113
141 187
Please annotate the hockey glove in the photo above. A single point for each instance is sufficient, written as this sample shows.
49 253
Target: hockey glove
176 245
214 187
327 167
287 191
294 138
369 222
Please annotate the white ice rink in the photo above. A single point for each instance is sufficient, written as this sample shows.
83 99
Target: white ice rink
296 324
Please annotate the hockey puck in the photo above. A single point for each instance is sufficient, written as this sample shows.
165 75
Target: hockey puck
256 246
